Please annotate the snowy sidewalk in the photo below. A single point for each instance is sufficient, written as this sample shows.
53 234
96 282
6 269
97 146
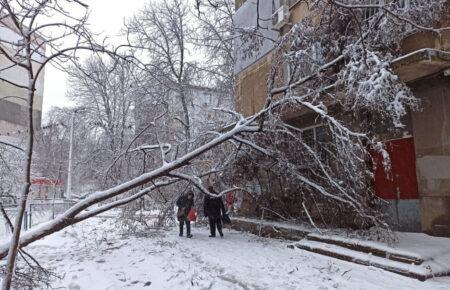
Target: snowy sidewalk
415 254
96 255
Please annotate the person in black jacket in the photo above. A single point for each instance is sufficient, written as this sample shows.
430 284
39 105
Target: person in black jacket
213 208
184 204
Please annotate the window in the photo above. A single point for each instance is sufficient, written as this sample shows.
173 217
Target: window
368 13
317 139
309 137
287 71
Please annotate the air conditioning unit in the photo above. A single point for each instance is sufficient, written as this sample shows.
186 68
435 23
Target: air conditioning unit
280 18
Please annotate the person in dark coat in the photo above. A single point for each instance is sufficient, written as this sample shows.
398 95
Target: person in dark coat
213 208
184 204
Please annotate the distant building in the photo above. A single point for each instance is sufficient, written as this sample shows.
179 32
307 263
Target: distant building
14 112
45 188
203 103
13 106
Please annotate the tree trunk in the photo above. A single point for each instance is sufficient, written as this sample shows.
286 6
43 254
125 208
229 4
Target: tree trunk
14 245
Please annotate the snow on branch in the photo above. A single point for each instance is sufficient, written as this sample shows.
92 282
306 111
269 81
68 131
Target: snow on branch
375 87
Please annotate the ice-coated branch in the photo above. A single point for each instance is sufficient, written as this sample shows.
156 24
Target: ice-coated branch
114 204
385 8
70 216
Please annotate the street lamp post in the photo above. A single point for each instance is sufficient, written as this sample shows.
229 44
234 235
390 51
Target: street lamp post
69 167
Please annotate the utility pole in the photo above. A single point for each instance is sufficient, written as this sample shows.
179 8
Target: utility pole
69 168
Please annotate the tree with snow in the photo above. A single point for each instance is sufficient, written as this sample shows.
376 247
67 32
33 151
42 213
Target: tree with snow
339 69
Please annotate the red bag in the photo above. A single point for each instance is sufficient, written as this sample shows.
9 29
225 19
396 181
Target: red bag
192 215
230 198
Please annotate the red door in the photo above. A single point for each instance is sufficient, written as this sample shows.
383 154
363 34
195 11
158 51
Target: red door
401 182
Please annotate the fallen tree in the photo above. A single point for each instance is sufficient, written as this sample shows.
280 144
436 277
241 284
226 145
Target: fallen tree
352 73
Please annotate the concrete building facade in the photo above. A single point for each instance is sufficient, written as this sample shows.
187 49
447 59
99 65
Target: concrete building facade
419 192
13 104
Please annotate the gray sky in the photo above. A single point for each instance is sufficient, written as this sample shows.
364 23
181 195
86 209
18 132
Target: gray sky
107 17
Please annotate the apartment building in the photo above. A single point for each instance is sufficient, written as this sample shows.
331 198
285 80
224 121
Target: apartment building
13 105
419 190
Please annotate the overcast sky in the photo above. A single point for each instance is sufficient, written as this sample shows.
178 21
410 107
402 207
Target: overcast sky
107 16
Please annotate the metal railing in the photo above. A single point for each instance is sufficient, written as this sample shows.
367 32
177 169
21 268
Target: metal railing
37 212
43 212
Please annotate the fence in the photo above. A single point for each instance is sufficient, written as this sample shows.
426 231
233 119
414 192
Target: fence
37 212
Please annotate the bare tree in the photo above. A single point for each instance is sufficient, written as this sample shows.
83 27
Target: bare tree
51 149
11 159
160 33
40 32
162 176
215 35
106 91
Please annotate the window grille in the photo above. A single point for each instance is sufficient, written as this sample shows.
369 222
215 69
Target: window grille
317 138
368 13
309 138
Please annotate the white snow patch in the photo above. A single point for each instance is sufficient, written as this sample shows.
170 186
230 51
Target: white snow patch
96 255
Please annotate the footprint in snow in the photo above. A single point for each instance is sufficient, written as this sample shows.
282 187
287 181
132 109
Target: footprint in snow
135 282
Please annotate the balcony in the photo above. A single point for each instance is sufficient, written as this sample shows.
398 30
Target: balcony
425 54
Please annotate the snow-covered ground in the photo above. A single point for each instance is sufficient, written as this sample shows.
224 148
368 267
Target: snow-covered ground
97 255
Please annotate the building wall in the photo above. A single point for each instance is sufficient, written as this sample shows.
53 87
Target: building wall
404 215
298 11
13 104
252 70
431 128
251 87
19 75
245 18
8 127
238 3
